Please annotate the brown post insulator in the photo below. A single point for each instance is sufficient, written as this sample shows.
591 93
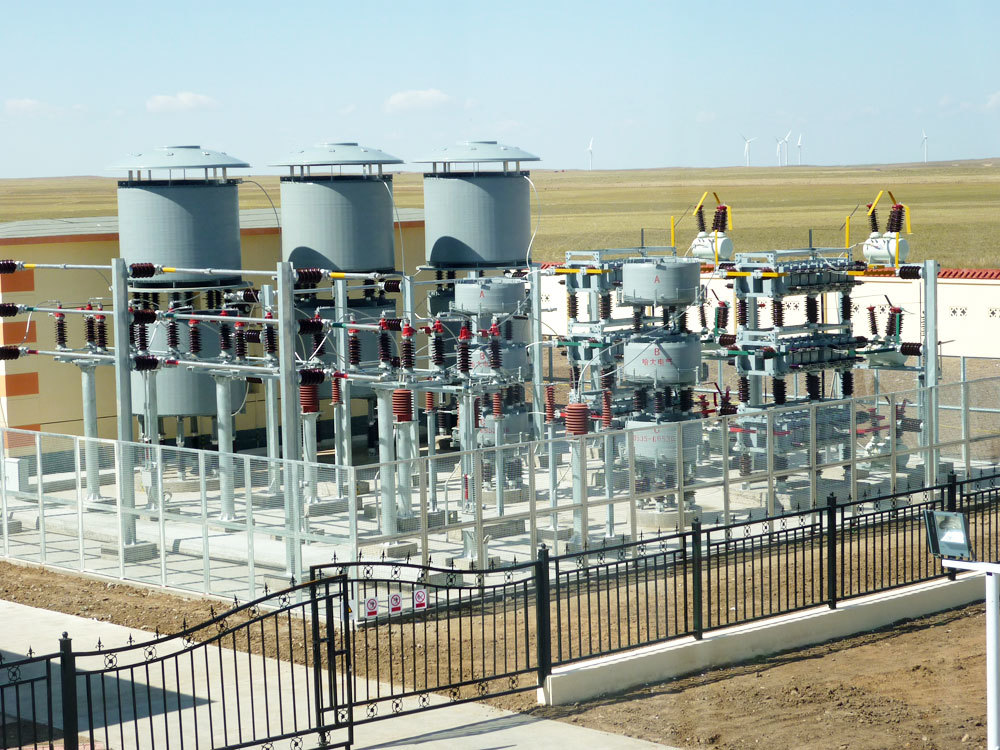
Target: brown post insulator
636 318
194 338
498 405
746 465
726 405
872 322
309 326
102 332
742 314
608 377
319 344
577 419
173 335
894 326
703 406
812 310
572 307
384 347
428 401
392 286
702 316
779 388
90 330
353 349
813 387
722 316
443 421
253 335
145 363
335 391
496 356
639 399
604 306
872 218
728 340
145 317
846 384
778 313
606 414
686 399
719 220
225 335
699 216
574 374
140 336
550 403
476 409
407 357
269 335
743 389
8 353
402 405
309 398
240 341
659 402
391 324
508 330
682 321
437 350
61 336
845 307
666 313
895 222
911 349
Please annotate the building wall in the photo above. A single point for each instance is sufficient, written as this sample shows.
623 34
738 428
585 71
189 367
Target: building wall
38 393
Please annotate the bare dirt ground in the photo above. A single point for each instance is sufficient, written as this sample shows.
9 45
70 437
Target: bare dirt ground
920 684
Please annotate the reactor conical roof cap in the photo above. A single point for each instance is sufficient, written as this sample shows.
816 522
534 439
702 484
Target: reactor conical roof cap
179 157
336 154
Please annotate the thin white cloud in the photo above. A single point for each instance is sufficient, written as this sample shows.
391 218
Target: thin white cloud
24 106
182 101
993 100
422 99
347 109
703 118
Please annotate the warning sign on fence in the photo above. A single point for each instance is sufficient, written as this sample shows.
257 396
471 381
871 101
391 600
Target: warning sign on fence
395 604
420 598
371 606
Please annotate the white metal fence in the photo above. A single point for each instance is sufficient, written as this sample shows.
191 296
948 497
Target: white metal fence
231 524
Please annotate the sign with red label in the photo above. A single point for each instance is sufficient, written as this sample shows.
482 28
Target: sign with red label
420 599
371 606
395 603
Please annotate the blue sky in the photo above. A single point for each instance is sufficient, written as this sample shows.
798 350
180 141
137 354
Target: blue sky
654 83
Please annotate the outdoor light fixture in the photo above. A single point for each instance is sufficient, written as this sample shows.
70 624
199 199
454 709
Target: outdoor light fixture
948 534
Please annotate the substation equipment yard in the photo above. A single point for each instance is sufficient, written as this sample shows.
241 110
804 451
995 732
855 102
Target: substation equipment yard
712 385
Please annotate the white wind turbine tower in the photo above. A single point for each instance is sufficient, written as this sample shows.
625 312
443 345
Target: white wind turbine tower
746 147
924 132
785 142
777 143
799 146
590 153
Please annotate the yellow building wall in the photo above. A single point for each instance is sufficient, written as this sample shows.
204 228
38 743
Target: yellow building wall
38 393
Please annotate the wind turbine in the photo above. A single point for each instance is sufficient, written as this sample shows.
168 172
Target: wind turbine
800 149
746 147
590 153
777 143
924 132
785 141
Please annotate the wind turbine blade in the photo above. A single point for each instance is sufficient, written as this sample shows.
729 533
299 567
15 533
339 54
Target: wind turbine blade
800 140
591 146
789 135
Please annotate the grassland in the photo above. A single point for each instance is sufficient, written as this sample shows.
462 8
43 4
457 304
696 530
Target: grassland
955 206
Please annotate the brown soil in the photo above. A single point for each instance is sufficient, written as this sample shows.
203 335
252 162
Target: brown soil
919 684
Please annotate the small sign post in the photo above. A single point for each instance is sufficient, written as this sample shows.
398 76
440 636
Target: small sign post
395 604
371 606
420 598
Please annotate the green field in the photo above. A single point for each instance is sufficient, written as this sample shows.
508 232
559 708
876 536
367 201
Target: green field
955 207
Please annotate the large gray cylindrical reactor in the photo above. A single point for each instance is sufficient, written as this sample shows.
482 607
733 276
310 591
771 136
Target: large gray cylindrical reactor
475 217
476 220
343 223
189 224
661 281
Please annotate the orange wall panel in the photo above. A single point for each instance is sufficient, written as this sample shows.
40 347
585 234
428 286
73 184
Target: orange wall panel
19 281
13 333
19 384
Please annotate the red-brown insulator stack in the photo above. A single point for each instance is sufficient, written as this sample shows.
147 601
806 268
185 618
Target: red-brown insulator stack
639 399
269 336
872 322
699 216
476 407
910 272
606 409
727 340
636 318
225 335
311 377
872 218
253 335
741 313
392 286
845 307
319 344
102 331
604 306
249 295
407 356
895 222
508 330
335 391
778 313
437 350
577 419
312 325
463 357
726 405
9 310
702 316
307 277
846 384
574 374
428 401
240 341
496 355
402 405
550 403
894 326
812 310
309 398
779 389
140 337
743 389
353 349
391 324
173 335
145 363
706 412
722 316
682 321
498 405
8 353
686 400
144 317
667 313
89 327
384 348
194 336
572 307
608 377
911 349
142 270
659 402
813 387
61 338
719 220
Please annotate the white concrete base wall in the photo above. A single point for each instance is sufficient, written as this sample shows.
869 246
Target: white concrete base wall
651 664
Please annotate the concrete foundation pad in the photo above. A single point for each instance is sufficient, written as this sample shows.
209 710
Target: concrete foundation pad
400 550
132 553
265 500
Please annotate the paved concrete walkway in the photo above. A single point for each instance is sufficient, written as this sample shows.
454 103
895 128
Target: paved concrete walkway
461 727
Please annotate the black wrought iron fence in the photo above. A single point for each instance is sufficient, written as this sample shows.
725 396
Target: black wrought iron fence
29 688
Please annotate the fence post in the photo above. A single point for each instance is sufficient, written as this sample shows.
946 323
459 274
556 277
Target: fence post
951 504
543 626
67 680
831 551
696 594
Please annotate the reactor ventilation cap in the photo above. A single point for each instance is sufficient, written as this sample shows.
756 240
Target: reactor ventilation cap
335 154
179 157
477 151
